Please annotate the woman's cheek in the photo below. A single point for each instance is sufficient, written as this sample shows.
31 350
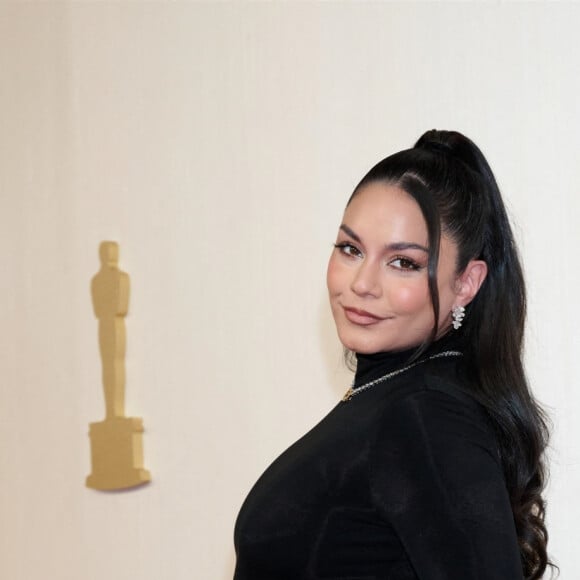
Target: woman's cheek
333 276
409 298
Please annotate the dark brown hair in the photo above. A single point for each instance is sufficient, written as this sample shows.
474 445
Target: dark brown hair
454 186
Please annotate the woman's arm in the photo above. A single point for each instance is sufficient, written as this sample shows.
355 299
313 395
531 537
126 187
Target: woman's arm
436 478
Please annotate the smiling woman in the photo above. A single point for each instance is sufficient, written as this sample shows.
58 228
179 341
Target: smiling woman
432 466
384 268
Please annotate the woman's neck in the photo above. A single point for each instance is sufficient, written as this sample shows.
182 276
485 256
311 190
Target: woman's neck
371 366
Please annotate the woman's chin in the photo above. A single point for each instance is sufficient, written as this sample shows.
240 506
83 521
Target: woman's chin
360 345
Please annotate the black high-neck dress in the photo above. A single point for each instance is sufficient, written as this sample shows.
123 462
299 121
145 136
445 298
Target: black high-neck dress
402 482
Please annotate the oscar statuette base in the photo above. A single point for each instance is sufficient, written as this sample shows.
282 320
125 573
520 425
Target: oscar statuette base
117 454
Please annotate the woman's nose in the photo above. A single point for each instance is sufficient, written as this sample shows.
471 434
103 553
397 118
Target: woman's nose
366 280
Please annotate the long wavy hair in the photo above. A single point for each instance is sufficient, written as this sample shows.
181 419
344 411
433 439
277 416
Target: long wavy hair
450 179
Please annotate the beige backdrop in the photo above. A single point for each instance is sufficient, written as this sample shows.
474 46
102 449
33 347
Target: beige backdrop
217 143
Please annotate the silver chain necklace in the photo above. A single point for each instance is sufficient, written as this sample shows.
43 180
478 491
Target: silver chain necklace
352 391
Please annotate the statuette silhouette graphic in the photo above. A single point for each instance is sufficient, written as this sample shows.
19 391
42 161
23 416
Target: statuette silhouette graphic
116 442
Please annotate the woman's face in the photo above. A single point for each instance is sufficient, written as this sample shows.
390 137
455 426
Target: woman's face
377 274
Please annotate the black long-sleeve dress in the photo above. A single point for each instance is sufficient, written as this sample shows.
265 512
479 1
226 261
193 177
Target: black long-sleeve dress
401 482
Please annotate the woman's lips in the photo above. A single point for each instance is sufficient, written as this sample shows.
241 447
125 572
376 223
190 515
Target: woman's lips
361 317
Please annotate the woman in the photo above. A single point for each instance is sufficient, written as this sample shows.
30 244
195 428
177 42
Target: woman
431 467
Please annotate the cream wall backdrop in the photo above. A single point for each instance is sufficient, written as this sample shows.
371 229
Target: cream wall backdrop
217 143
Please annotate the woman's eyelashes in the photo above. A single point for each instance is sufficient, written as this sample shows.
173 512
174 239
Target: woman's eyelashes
348 249
403 263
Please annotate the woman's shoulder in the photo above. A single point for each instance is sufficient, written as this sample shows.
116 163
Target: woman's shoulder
447 380
438 404
433 380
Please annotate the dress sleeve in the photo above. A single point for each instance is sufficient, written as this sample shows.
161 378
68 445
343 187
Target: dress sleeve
436 478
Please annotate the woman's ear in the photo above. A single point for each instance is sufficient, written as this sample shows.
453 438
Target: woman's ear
470 281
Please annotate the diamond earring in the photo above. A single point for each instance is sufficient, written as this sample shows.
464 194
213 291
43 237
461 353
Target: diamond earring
458 314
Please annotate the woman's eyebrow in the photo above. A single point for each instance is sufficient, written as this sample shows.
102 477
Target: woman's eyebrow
394 247
349 232
401 246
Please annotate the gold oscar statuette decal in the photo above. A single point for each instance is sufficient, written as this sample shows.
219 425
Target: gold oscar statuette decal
116 442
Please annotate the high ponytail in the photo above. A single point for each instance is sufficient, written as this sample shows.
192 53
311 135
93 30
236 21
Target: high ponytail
454 186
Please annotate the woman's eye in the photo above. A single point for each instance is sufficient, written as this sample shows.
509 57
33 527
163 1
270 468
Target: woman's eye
348 249
404 264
